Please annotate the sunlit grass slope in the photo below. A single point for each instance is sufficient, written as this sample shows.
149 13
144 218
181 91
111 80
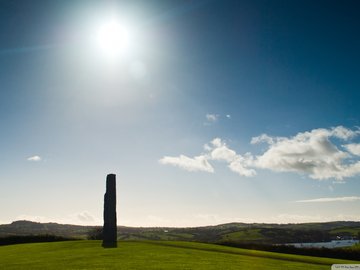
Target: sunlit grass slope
149 255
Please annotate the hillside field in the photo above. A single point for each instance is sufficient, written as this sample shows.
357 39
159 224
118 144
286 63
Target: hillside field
231 232
150 255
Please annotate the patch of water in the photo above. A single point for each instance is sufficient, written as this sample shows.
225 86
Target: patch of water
331 244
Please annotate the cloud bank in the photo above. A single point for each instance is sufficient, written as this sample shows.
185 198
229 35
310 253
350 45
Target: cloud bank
199 163
353 148
217 150
82 218
336 199
312 153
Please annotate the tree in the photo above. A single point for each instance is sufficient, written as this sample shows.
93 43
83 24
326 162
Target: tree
95 233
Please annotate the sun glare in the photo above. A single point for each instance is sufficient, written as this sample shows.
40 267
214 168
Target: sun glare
112 38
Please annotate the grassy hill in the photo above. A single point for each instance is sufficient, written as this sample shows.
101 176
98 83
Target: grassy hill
24 227
150 255
234 232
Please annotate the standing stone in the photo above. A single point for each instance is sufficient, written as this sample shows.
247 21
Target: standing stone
110 228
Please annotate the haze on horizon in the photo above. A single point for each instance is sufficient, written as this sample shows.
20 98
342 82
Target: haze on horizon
208 112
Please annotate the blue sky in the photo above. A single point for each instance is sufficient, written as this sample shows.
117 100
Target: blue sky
213 112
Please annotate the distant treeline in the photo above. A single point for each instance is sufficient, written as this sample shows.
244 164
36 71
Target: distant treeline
338 253
280 236
21 239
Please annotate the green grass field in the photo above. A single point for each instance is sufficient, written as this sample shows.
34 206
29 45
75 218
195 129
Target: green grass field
245 235
150 255
351 231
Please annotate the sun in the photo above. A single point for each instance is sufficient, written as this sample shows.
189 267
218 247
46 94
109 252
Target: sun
112 38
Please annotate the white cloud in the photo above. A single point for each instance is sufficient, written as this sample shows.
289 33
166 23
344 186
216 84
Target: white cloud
216 151
343 133
212 117
262 138
239 164
82 218
198 163
221 151
228 116
85 217
311 153
353 148
334 199
34 158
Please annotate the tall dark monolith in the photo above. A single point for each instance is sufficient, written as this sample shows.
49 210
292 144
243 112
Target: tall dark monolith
110 228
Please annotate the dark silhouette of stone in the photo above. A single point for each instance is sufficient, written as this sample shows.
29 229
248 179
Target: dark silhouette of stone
110 228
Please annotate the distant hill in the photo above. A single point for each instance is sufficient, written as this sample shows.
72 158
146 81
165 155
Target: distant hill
231 232
24 227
